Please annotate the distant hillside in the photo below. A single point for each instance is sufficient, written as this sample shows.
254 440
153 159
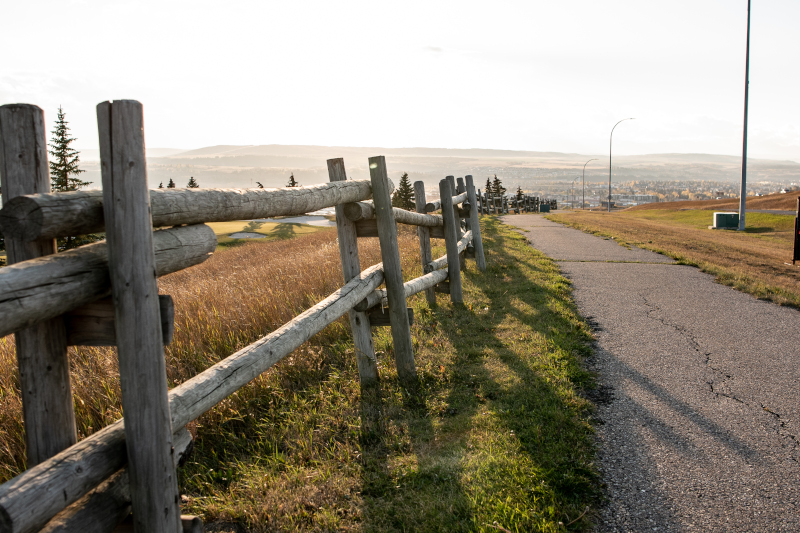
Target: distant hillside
244 166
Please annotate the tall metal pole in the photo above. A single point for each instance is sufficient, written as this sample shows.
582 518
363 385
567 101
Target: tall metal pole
610 139
743 190
583 202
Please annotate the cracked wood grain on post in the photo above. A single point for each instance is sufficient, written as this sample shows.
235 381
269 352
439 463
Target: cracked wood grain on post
351 267
45 389
153 480
424 236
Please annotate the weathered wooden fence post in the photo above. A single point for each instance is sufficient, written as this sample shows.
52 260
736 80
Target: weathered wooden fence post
41 349
393 276
351 267
462 257
424 235
131 265
451 241
475 227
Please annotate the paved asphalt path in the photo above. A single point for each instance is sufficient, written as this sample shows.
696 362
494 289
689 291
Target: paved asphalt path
699 390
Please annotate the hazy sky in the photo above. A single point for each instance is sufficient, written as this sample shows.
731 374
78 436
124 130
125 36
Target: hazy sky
532 75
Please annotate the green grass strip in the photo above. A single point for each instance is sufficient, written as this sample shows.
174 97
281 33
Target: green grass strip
495 437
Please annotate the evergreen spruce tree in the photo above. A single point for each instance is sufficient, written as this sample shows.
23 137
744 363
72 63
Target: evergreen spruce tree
171 184
292 181
520 194
64 169
192 183
488 189
403 197
497 186
161 185
64 173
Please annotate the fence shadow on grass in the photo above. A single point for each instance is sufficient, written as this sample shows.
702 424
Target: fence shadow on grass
495 436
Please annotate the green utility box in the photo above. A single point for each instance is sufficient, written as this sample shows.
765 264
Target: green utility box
725 221
544 208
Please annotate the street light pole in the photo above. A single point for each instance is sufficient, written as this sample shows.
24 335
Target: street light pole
583 202
743 190
611 138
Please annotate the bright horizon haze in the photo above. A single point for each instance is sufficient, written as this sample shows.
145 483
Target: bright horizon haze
514 75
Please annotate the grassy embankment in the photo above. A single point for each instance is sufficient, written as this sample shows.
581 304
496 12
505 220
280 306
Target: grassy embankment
270 230
495 436
753 261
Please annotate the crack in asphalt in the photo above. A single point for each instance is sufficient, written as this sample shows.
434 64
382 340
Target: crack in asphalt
780 430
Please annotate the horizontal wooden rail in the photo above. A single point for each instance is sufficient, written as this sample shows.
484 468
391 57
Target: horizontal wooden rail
31 499
48 287
94 324
435 206
436 264
430 207
411 288
80 212
107 505
358 211
460 198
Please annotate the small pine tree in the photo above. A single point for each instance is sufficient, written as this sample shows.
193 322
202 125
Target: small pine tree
292 181
488 189
192 183
171 184
259 185
161 185
64 174
497 186
520 194
403 197
64 169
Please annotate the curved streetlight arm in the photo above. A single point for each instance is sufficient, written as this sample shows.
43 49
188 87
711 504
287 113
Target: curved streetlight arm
610 139
583 202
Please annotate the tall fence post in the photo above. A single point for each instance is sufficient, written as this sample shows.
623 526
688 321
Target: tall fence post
460 188
351 267
424 235
47 405
131 265
393 276
451 241
475 226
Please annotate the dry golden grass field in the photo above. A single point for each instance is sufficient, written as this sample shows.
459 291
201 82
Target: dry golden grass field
777 201
754 261
496 435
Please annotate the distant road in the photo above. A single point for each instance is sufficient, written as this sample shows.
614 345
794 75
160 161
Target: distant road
699 390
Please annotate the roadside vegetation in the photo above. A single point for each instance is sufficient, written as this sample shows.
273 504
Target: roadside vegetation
495 437
753 261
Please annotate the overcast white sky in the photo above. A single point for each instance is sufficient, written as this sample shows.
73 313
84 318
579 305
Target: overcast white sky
530 75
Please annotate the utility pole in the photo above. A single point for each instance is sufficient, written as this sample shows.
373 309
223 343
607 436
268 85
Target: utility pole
743 190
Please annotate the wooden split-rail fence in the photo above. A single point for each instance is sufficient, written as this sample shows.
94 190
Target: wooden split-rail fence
106 294
495 204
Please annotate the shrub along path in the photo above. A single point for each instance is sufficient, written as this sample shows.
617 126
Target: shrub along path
697 390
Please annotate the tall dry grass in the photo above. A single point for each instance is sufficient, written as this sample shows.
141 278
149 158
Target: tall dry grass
231 300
